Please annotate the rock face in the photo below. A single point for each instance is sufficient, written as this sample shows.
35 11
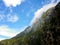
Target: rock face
51 35
46 32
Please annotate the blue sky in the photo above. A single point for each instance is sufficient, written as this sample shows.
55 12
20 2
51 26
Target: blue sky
16 15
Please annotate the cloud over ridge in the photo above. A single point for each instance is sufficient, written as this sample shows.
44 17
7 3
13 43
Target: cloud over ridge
40 11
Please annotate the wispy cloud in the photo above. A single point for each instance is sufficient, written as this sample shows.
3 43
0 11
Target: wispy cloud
9 18
6 31
13 3
9 32
40 11
1 17
12 18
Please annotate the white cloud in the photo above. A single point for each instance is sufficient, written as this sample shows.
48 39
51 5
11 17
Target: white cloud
9 32
39 12
13 3
1 17
6 31
9 18
12 18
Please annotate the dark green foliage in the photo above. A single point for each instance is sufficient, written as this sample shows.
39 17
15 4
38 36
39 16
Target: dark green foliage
51 35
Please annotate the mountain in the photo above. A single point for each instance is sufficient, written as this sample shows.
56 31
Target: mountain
26 31
46 31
